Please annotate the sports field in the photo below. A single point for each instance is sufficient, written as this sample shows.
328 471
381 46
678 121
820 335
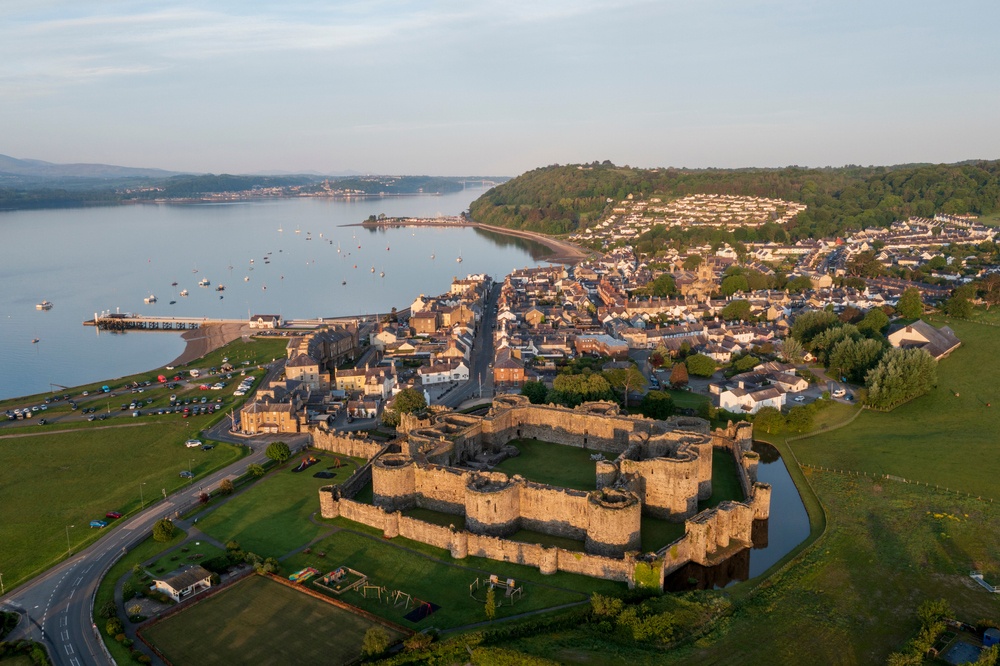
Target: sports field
259 621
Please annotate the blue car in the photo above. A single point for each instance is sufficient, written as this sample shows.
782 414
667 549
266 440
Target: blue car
98 523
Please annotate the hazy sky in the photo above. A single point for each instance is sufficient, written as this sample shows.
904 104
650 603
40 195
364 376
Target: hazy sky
497 87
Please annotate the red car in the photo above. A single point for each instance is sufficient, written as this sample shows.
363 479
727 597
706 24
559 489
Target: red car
114 515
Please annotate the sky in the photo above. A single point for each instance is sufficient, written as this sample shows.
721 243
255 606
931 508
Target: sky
497 87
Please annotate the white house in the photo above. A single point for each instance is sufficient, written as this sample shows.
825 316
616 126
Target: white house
751 400
449 371
184 582
265 321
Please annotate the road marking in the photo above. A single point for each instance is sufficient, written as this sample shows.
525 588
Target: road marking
74 661
64 635
71 592
78 581
69 648
88 568
63 621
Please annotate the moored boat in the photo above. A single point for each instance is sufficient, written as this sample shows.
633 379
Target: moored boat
44 305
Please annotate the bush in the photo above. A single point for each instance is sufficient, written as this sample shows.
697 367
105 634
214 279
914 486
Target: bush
164 530
700 365
375 642
114 626
108 609
278 451
418 641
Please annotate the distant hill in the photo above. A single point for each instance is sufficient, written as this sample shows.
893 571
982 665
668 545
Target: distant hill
561 199
37 169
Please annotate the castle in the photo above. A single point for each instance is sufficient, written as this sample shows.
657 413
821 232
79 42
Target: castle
649 467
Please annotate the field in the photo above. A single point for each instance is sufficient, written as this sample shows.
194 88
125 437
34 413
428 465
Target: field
554 464
259 621
272 518
96 467
82 475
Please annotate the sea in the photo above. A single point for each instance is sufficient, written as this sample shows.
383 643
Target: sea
298 258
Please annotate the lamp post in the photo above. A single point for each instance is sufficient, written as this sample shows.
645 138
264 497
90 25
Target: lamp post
142 502
1 585
192 471
69 549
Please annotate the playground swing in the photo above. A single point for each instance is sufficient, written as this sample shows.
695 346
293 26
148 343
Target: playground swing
375 590
403 599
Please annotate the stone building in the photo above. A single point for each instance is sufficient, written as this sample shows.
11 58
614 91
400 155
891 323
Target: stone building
259 417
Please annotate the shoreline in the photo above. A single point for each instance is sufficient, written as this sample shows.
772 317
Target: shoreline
563 252
206 339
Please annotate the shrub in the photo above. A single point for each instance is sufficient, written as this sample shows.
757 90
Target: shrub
164 530
278 451
375 642
114 626
108 609
418 641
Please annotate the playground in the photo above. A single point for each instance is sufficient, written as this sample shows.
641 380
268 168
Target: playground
260 621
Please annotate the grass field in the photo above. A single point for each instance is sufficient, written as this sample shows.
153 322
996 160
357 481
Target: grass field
940 438
432 575
259 621
82 475
272 518
554 464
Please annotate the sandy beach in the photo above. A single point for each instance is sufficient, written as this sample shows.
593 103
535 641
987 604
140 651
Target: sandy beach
207 338
563 252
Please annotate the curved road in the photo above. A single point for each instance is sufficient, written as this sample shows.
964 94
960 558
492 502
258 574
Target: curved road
57 605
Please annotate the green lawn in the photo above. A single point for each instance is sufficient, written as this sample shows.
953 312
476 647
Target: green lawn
554 464
432 575
272 518
725 480
687 399
940 438
82 475
658 533
259 621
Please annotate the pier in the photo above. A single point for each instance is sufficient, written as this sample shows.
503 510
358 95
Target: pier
126 321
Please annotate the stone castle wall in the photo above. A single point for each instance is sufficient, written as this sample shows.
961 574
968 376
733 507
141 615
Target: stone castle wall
346 444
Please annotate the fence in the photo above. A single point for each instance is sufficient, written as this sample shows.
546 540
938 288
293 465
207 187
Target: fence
898 479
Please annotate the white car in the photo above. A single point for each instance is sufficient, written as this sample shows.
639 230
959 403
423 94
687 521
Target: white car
800 398
839 393
192 443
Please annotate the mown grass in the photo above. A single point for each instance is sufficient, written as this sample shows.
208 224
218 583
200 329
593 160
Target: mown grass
431 574
272 517
944 437
554 464
82 475
258 621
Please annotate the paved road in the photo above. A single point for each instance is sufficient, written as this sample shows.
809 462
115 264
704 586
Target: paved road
482 357
57 604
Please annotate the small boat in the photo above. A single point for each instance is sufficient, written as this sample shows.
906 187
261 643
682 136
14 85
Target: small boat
264 288
280 229
150 299
459 259
386 248
204 282
220 287
298 231
355 265
282 277
173 302
381 274
44 305
251 261
373 269
184 292
433 257
246 278
221 297
173 284
34 341
344 282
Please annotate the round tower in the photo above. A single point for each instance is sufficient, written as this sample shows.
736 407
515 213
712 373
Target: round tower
394 485
492 505
614 519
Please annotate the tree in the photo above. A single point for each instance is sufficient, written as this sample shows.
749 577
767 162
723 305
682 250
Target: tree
792 351
811 323
692 261
799 284
744 363
901 374
226 487
825 341
375 642
910 305
768 418
663 286
733 284
800 418
874 322
679 375
108 609
657 405
163 530
657 359
535 391
625 380
491 604
958 306
700 365
989 289
854 358
738 310
278 451
256 470
408 401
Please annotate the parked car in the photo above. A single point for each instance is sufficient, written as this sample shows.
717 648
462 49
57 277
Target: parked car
192 443
187 475
800 398
98 523
113 515
839 393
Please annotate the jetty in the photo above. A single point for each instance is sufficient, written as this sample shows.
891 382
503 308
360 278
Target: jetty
127 321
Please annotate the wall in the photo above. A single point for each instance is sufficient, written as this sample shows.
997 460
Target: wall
346 444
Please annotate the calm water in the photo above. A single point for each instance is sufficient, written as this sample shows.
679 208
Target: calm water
774 538
94 259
